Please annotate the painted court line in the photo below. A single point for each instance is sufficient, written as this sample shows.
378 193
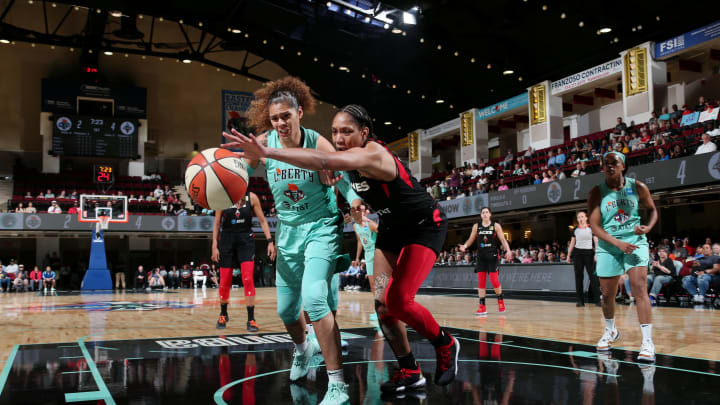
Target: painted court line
8 366
102 393
71 357
484 341
252 351
167 351
106 348
134 358
76 372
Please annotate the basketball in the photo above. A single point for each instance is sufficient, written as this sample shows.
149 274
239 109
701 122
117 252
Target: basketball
216 179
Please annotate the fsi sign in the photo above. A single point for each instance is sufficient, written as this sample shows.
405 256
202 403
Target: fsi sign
687 40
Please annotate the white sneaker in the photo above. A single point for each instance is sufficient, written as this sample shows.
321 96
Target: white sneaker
610 336
356 288
699 299
337 394
647 352
45 291
301 361
52 289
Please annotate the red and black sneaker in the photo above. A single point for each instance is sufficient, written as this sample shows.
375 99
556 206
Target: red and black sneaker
404 379
501 305
447 361
252 326
222 322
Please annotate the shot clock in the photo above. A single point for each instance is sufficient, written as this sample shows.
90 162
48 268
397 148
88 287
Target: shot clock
103 174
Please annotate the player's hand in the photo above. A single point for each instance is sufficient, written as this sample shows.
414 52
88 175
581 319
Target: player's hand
462 247
252 149
215 255
625 247
358 213
508 257
641 229
328 178
272 251
569 260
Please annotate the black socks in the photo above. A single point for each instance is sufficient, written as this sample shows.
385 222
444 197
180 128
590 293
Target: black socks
482 300
408 361
443 339
223 309
251 313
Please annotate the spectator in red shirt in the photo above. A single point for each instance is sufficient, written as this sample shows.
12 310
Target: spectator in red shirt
35 279
73 209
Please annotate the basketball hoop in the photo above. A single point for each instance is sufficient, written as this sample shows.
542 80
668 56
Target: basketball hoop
103 222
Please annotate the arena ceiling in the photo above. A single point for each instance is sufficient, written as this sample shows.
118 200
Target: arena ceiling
460 52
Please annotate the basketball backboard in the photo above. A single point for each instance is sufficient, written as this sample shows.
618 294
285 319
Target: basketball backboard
113 206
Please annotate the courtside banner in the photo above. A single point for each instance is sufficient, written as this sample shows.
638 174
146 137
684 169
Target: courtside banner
235 105
687 40
586 76
555 277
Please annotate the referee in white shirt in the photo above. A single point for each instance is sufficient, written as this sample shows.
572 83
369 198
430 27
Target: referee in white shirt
582 253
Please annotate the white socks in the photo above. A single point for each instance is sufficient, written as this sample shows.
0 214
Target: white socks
610 324
646 329
335 376
302 347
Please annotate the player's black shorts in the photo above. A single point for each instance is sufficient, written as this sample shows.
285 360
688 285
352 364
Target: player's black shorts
487 263
430 233
236 248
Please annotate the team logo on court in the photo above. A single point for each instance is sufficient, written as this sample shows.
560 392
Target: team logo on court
621 216
63 124
96 306
714 166
294 193
127 128
554 192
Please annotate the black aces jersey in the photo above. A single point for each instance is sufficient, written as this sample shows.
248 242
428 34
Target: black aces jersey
238 220
487 240
399 202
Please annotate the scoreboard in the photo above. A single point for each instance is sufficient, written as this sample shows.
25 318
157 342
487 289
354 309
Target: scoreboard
76 135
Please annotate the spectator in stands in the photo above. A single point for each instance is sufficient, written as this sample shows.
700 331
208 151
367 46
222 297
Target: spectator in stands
551 160
74 195
4 279
675 114
49 194
435 190
12 269
560 158
661 155
707 146
634 142
620 128
702 104
349 278
527 258
518 170
653 118
21 280
180 211
54 208
662 272
712 132
560 174
476 172
63 194
547 176
185 275
455 180
74 209
529 153
507 162
35 279
19 208
158 192
30 209
704 271
537 180
49 279
156 280
199 275
502 186
489 170
676 152
28 196
679 252
578 171
140 278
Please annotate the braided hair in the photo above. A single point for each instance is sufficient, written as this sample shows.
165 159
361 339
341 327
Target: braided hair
290 90
361 117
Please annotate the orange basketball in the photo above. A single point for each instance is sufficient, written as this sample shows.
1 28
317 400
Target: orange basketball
216 179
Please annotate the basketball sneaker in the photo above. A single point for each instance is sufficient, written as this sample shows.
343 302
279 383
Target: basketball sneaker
481 310
337 394
610 336
647 352
447 362
404 379
501 305
252 326
611 367
222 322
301 395
301 361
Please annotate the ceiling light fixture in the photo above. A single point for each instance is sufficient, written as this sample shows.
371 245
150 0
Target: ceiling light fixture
235 31
639 27
116 13
472 60
422 40
507 72
108 53
581 24
605 30
439 101
439 47
343 68
388 123
562 16
181 21
544 7
396 31
657 18
200 24
456 53
489 66
4 41
186 61
54 5
161 19
409 18
386 26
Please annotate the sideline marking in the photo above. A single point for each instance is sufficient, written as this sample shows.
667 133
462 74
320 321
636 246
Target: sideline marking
8 366
102 393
